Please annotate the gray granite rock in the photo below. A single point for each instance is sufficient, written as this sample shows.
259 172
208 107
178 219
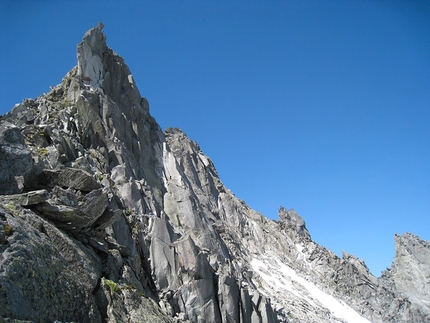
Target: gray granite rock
41 265
409 275
70 178
293 221
16 162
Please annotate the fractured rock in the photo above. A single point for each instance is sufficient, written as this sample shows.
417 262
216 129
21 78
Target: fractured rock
70 177
16 162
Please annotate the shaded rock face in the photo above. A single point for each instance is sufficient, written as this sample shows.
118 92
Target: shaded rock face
105 218
16 163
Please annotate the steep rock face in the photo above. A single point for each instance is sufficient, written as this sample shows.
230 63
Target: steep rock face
410 274
212 222
412 267
106 218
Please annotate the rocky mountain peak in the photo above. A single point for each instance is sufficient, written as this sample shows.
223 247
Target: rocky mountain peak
105 218
91 56
293 221
99 68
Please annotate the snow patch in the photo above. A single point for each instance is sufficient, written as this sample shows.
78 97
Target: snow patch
302 256
282 278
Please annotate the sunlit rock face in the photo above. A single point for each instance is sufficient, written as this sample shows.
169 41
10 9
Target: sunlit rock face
90 57
410 272
106 218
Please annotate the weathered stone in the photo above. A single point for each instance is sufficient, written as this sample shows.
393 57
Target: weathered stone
70 177
70 212
229 298
108 217
94 204
123 237
201 292
127 305
193 264
410 271
27 199
90 56
46 268
16 162
293 220
163 255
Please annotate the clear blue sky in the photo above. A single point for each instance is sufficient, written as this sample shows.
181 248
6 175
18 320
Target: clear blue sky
320 106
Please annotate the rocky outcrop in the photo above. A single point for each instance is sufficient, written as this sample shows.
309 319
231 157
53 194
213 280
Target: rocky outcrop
411 267
293 221
42 265
105 218
409 275
16 163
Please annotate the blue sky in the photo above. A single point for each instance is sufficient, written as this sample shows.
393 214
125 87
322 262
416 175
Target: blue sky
320 106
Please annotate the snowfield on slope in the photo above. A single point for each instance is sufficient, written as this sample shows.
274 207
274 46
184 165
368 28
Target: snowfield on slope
284 280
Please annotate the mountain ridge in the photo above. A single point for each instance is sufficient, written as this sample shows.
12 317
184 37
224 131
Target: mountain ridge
143 218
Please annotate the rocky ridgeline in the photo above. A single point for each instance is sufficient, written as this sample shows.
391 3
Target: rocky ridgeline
103 217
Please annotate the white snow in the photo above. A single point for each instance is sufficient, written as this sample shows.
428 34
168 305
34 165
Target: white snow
302 256
281 277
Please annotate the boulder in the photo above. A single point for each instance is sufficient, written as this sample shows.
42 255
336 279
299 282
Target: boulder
71 212
70 178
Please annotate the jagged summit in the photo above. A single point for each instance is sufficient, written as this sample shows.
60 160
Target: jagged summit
293 221
100 68
105 218
91 56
